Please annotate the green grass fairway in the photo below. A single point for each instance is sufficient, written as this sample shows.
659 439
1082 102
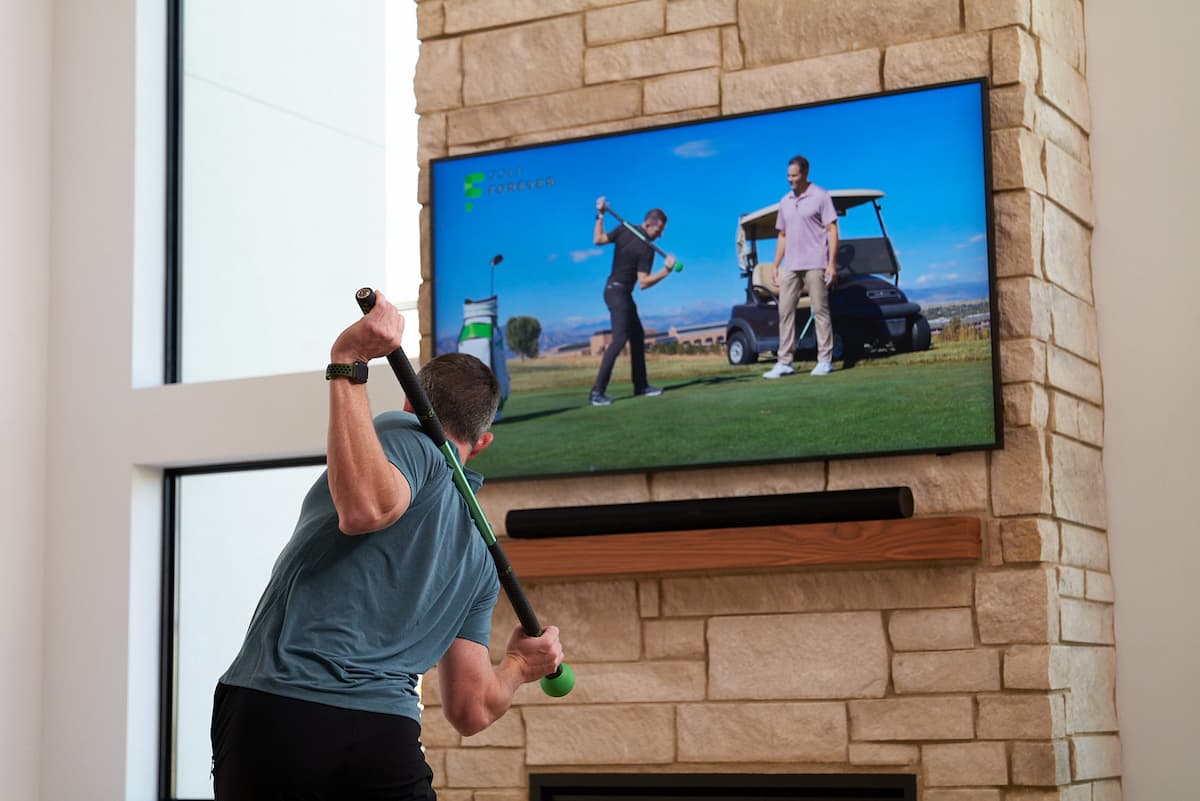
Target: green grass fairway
713 412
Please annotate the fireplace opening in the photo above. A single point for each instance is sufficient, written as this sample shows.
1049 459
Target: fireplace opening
722 786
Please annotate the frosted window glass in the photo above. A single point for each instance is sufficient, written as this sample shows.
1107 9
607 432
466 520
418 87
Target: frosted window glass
297 178
230 528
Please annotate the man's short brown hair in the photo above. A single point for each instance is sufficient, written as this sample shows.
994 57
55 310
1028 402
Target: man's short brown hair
800 162
656 215
464 394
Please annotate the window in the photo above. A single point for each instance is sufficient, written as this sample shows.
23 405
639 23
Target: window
225 528
293 180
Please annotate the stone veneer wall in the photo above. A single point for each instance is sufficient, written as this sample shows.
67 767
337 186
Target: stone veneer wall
991 681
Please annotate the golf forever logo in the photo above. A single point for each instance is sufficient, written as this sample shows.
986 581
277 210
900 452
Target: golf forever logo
501 181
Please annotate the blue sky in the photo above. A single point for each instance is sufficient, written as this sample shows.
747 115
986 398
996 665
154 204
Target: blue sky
923 149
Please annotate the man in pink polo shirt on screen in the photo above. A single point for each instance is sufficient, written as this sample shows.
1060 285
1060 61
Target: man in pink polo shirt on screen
807 248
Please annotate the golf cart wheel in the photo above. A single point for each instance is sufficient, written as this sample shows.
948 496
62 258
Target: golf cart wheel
739 350
917 337
810 354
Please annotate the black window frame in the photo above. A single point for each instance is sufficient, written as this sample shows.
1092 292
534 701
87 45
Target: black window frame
173 202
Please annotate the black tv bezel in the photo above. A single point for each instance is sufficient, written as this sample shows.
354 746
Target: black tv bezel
722 786
994 313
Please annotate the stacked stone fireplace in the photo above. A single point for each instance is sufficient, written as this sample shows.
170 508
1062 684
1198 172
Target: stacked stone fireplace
988 679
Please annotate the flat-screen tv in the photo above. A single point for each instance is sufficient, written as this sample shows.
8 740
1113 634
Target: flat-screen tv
520 281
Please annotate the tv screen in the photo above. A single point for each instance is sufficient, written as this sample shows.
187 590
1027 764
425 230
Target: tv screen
523 275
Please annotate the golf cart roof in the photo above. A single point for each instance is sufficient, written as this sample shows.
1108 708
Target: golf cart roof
761 224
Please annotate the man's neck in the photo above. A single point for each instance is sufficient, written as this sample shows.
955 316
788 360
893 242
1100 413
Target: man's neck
803 188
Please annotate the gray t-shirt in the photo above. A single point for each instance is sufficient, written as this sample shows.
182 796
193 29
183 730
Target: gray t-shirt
353 621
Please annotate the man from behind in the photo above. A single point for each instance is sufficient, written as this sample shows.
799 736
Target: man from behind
384 576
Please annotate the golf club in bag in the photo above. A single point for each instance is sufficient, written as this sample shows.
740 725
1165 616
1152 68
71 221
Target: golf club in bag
560 682
640 234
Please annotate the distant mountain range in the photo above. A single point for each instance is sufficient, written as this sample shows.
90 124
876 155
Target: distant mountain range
555 335
953 293
713 313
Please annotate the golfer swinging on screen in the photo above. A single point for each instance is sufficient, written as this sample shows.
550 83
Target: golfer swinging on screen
632 260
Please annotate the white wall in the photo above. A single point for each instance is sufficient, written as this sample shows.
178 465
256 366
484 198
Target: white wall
25 52
107 439
1142 68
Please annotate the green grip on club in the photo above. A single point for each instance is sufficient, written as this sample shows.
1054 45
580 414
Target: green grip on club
561 683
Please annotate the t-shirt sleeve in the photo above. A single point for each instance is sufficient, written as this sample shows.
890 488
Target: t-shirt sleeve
478 625
646 260
828 212
401 437
614 233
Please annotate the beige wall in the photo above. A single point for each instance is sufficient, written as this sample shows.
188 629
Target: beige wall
1142 66
25 131
1009 680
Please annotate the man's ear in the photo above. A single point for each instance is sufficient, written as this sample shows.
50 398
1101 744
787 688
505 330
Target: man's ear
481 443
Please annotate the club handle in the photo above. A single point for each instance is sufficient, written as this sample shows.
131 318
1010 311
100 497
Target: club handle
403 369
562 680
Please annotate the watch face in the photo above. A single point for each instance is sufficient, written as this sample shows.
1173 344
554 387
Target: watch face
359 376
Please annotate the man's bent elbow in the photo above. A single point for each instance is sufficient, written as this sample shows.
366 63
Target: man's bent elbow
354 524
350 530
467 722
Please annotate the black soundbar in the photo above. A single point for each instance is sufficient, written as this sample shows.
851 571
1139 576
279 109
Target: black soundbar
886 503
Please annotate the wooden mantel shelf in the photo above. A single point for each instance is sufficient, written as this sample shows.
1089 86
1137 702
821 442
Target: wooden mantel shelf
867 541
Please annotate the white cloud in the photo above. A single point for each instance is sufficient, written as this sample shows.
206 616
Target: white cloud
973 240
926 278
578 256
696 149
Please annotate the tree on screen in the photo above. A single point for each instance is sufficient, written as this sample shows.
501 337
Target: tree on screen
522 334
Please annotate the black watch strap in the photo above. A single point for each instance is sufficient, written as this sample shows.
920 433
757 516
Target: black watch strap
356 372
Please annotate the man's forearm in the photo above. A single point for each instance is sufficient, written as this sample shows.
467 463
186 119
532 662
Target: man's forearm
647 280
507 678
598 235
473 706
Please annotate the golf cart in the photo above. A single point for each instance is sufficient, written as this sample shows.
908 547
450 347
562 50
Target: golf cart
869 312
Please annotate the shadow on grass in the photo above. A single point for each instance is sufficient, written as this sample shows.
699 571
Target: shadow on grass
521 418
709 381
671 387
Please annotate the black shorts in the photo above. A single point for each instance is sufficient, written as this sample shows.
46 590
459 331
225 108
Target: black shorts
270 748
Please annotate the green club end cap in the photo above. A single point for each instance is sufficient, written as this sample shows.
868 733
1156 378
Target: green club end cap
678 266
561 684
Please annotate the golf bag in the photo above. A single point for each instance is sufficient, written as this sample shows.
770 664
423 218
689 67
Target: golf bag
482 337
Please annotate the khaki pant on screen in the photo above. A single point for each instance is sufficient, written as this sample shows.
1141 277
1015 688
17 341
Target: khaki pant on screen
789 294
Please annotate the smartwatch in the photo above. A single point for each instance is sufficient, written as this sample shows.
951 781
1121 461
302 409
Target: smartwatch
357 372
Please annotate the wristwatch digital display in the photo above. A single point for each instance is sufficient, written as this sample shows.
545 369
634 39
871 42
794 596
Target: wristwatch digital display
356 372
